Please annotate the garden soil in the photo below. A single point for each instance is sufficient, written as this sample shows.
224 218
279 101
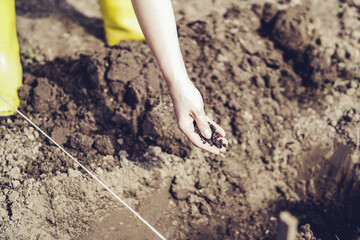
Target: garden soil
281 77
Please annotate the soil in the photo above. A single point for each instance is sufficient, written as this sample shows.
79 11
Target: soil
213 140
281 77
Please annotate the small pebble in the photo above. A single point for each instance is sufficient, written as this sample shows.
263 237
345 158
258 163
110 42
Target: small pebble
74 173
154 150
120 141
14 173
15 183
99 171
36 134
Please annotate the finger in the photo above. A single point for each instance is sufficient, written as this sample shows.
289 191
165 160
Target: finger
219 129
224 144
203 125
224 141
222 149
196 140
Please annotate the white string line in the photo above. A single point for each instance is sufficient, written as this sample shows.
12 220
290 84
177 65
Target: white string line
88 171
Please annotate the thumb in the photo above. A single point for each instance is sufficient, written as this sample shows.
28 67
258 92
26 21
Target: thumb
203 126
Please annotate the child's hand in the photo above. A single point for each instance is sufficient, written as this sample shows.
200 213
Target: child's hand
189 106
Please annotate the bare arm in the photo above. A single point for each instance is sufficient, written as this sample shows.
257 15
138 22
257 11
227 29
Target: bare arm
157 21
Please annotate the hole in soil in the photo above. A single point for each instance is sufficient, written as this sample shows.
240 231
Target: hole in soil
329 193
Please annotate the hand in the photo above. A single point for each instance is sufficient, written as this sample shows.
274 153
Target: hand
189 106
156 18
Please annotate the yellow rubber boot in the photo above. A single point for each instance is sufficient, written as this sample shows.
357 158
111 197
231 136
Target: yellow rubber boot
10 66
120 21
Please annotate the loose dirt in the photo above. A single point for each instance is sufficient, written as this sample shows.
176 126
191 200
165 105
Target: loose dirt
213 140
281 77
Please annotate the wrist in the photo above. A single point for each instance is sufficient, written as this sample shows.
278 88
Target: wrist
177 81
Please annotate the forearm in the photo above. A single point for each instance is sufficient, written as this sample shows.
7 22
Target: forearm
157 21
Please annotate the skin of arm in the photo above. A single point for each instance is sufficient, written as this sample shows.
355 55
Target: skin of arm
157 21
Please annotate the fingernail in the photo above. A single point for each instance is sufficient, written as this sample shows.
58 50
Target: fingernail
207 133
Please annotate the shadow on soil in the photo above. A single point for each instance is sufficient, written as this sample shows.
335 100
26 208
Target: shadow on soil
330 199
